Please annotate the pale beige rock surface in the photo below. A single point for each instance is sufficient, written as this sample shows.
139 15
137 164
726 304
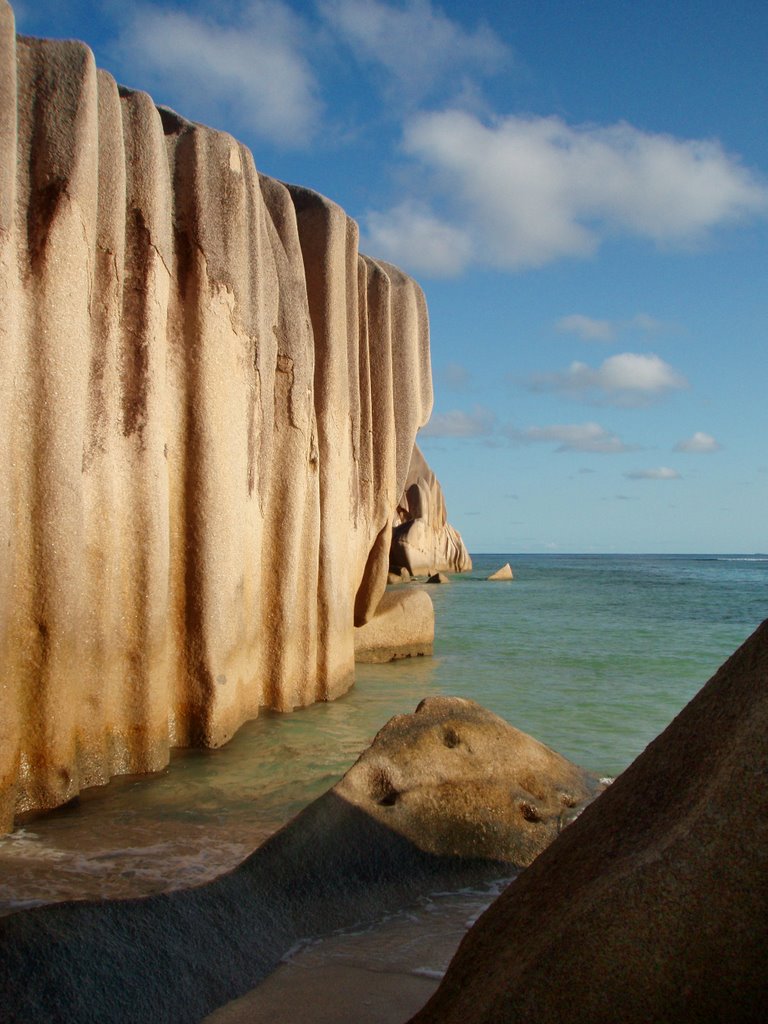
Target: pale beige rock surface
653 906
402 627
443 798
504 573
423 541
209 401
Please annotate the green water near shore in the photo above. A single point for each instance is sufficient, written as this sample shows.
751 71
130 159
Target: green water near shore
593 655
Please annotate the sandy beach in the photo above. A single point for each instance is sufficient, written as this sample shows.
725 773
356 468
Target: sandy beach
329 995
381 975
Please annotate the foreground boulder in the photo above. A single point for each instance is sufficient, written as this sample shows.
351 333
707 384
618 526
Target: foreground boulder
653 907
443 798
423 541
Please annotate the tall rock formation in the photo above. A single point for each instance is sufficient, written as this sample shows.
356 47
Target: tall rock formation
208 403
423 541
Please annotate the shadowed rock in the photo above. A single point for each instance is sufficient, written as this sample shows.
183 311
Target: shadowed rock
443 797
653 906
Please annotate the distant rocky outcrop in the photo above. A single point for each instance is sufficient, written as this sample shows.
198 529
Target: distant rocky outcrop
653 907
504 573
443 797
423 541
208 405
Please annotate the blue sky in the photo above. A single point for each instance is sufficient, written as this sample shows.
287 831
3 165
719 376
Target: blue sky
581 188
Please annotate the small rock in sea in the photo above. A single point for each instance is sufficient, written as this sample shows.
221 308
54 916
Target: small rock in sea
504 573
438 577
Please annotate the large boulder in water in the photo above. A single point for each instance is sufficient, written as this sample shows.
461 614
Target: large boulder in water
443 798
403 627
453 778
653 907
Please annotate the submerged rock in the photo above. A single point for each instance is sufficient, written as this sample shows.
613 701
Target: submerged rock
442 798
504 573
653 906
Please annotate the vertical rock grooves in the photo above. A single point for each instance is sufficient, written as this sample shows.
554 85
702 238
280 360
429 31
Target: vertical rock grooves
208 401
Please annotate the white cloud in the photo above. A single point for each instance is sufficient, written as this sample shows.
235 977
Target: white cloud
410 234
251 71
528 191
415 43
590 328
573 437
454 376
587 327
661 473
698 443
626 379
458 423
646 322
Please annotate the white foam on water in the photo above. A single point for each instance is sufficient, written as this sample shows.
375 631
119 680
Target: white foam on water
428 972
419 940
33 871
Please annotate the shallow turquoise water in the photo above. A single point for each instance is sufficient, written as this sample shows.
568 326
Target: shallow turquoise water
593 655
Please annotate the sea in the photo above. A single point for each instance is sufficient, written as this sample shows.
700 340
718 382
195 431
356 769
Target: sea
592 654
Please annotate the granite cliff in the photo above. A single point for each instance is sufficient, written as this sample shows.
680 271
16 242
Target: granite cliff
208 400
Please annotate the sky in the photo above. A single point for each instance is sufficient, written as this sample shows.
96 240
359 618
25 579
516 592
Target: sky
581 189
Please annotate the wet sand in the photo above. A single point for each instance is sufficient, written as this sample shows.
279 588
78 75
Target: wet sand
381 974
329 995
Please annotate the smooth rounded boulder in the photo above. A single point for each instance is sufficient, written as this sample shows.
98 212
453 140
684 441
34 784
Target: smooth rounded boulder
403 627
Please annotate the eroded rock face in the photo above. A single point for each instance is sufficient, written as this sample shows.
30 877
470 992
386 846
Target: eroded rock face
208 404
443 798
423 541
653 906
